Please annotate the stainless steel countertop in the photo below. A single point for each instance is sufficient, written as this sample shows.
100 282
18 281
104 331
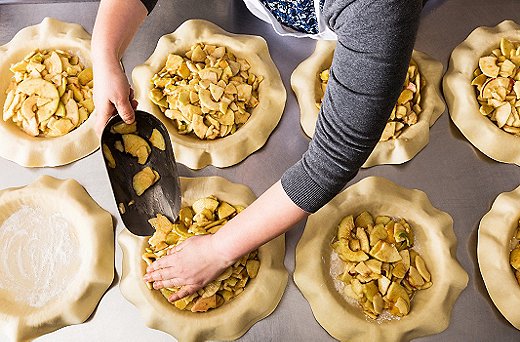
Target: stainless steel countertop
456 177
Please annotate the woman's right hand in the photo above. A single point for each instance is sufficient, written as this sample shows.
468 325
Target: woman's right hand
112 94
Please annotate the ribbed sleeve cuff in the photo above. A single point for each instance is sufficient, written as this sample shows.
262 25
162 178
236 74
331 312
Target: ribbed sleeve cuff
303 190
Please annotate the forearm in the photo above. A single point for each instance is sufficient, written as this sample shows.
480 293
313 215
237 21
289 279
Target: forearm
116 24
375 41
271 215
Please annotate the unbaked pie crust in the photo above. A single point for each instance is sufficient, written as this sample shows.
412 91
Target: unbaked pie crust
495 233
57 257
462 99
306 86
17 146
233 319
435 241
223 152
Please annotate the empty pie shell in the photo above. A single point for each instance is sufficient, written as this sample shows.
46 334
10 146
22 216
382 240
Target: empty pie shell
57 257
17 146
228 322
435 241
307 87
221 152
495 233
462 99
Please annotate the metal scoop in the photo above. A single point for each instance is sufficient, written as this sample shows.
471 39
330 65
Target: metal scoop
162 197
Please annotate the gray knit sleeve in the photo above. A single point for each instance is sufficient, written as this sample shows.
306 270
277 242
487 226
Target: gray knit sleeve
375 41
149 4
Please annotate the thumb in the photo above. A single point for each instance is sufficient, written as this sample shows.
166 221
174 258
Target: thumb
125 110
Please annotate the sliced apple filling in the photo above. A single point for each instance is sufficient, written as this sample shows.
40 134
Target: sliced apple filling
50 93
514 255
382 271
206 216
497 82
407 109
208 92
144 179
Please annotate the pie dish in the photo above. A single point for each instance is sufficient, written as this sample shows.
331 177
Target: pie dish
495 233
57 257
305 83
435 241
231 320
461 97
17 146
223 152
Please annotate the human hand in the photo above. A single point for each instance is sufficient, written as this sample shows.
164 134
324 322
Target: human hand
112 94
190 265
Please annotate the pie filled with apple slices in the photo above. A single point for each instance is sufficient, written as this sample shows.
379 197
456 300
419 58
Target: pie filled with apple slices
50 93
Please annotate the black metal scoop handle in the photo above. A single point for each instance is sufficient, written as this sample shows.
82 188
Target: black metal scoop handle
162 197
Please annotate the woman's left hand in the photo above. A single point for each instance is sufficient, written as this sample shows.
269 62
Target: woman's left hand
190 265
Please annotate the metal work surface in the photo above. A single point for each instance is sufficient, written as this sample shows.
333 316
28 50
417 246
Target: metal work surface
456 177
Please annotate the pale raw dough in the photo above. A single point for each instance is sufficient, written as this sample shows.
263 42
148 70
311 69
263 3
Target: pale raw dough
233 319
222 152
413 139
56 257
461 97
434 240
495 233
16 145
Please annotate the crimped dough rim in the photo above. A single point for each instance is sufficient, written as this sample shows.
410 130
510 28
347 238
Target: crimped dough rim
413 139
461 98
232 149
435 240
94 226
228 322
17 146
496 230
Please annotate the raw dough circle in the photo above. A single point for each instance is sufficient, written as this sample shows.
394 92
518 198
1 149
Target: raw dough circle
435 241
230 150
16 145
233 319
56 257
413 139
495 233
461 97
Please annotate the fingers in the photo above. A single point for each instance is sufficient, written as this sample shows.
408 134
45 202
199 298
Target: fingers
173 282
160 274
183 244
184 291
175 249
158 264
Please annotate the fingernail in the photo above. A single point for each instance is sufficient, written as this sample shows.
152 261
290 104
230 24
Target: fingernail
147 277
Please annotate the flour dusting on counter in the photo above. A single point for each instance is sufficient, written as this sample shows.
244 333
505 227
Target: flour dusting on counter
38 255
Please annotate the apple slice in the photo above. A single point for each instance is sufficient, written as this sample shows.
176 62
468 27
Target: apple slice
8 101
31 127
28 107
502 114
505 47
516 89
44 89
489 66
494 85
53 64
71 109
